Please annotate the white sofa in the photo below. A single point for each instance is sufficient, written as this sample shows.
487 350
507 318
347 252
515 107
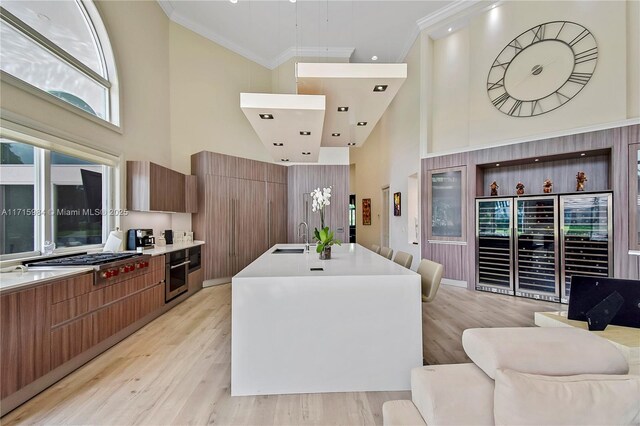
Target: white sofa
526 375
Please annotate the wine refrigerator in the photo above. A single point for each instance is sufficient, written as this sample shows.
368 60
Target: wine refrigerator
531 246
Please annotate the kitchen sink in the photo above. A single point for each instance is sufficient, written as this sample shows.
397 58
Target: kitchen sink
288 251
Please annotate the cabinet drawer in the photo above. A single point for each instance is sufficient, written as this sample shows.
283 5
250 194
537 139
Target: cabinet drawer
72 287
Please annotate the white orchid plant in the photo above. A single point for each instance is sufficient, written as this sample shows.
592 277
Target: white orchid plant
320 199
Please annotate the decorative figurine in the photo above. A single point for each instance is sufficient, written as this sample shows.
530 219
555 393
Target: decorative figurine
581 178
494 188
547 186
520 188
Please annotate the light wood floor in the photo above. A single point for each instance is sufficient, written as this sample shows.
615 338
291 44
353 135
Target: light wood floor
176 370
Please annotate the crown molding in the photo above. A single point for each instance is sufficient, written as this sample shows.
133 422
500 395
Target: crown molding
459 10
167 7
311 52
456 11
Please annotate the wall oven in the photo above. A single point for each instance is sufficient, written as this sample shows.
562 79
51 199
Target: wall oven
177 273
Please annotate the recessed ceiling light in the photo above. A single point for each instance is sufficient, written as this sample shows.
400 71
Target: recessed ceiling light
380 88
266 116
497 164
536 160
374 58
284 159
306 153
304 133
335 135
362 123
351 144
343 109
292 1
450 29
278 144
493 6
234 1
583 154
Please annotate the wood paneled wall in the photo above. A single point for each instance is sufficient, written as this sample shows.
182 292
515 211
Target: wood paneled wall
459 261
302 180
561 172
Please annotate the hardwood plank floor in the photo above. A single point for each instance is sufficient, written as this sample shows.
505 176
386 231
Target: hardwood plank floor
176 370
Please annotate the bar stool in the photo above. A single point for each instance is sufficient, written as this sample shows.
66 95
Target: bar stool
386 252
375 248
403 259
431 273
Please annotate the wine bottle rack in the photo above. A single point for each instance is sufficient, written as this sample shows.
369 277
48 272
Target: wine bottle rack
585 222
494 240
537 248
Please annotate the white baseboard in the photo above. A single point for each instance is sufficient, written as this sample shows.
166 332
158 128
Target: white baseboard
455 283
216 281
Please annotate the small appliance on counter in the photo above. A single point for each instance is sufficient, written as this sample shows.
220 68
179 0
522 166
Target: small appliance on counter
168 236
140 238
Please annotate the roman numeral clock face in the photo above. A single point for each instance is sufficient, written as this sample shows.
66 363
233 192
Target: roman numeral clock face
542 69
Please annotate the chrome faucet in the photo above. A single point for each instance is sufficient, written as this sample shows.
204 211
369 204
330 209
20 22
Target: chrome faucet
306 235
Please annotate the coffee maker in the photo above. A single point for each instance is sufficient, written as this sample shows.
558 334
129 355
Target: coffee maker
140 238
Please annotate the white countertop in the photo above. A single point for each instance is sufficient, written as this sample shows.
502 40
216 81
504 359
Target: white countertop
40 275
346 260
354 327
13 280
157 250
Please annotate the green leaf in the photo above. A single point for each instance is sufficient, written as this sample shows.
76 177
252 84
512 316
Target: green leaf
319 248
323 235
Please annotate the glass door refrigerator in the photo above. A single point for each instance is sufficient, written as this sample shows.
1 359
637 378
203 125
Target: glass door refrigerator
537 254
494 223
586 232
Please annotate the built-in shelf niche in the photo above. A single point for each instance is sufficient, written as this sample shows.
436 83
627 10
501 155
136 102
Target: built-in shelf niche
561 170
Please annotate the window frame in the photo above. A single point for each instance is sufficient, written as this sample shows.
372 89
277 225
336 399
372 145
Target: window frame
109 82
43 145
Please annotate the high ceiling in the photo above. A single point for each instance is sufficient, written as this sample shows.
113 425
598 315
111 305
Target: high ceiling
265 31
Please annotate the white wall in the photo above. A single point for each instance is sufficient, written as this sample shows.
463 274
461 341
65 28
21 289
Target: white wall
463 116
206 82
390 155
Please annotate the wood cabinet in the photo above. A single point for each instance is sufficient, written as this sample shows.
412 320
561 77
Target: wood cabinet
151 187
46 326
195 280
241 213
276 213
191 193
249 236
24 337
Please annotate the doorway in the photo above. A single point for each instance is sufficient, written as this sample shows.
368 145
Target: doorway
385 217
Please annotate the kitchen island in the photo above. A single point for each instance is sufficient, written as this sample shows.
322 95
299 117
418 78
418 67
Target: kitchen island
303 325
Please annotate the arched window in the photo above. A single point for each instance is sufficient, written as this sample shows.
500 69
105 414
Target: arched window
62 48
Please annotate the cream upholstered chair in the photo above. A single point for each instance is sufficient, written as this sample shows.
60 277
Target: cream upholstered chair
403 259
431 273
386 252
375 248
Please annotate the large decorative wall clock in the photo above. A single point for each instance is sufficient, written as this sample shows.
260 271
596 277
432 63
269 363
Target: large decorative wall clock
542 69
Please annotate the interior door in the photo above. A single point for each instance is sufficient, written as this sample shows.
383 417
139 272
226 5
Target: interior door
276 213
249 221
385 217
